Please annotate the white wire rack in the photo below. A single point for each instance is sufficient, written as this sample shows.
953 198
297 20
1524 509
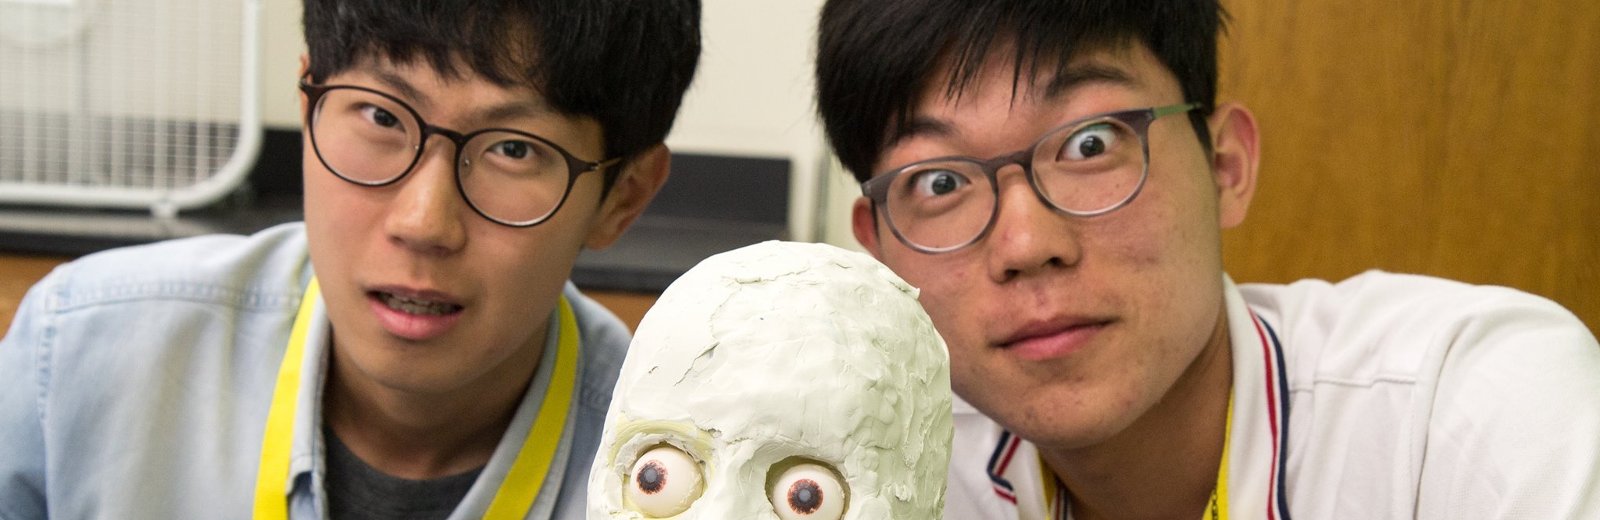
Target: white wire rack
127 103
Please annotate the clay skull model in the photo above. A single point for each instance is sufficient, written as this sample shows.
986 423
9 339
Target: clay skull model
779 381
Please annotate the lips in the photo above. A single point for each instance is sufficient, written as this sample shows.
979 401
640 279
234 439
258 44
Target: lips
419 306
1051 339
415 315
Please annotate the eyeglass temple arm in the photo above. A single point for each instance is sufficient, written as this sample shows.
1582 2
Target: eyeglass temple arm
597 166
1174 109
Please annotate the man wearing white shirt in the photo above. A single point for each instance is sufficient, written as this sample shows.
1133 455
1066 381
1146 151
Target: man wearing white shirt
1055 177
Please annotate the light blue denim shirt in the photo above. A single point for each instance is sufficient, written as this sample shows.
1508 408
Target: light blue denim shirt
136 384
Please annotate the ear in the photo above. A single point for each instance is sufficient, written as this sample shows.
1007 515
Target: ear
1235 158
305 66
865 225
641 177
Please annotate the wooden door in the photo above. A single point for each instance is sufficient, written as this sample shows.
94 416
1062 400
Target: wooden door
1453 138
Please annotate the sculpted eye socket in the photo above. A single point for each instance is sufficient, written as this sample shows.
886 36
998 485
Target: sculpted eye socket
807 491
664 481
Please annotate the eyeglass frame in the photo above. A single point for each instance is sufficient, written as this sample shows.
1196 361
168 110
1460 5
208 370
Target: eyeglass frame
876 189
575 165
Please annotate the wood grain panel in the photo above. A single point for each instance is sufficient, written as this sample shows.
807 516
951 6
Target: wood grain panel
17 274
1446 137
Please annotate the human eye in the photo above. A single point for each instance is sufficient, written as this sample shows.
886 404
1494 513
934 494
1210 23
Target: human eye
1090 141
807 491
937 182
515 155
664 482
379 116
512 149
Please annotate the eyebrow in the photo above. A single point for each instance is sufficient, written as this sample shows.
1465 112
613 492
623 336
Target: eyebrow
394 81
1068 80
500 112
1079 75
512 110
920 126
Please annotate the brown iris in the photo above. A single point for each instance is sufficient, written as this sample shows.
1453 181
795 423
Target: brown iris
805 496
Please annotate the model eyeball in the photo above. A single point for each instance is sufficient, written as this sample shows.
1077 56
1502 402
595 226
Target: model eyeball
664 482
807 491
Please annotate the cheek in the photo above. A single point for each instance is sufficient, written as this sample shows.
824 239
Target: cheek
326 230
335 207
513 270
943 281
1171 227
341 225
518 267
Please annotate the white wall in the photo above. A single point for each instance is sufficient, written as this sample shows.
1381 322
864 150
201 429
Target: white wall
282 43
752 96
122 58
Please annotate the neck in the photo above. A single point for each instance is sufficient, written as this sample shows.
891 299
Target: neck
1165 464
423 435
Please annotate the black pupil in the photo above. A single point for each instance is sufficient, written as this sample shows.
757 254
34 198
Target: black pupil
944 183
1091 146
384 118
805 497
652 477
514 150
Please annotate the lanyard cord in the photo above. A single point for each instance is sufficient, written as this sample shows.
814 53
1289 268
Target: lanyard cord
522 483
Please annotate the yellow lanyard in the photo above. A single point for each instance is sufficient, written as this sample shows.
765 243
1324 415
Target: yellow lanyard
1217 509
522 483
1219 495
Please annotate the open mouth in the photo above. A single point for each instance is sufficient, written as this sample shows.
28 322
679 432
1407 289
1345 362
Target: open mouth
415 306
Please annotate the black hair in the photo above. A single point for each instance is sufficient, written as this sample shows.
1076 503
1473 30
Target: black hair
625 63
874 57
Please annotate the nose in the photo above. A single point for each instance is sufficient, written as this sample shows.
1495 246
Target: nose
1029 236
427 214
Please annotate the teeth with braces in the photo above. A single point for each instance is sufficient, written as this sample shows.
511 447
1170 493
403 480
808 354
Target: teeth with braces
420 307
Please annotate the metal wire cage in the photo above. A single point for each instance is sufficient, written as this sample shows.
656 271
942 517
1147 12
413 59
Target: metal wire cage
127 103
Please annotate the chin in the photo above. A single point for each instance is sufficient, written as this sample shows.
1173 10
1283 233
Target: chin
1065 420
1068 434
405 374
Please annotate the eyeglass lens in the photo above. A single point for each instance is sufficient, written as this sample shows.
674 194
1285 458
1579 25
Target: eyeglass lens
371 139
1084 169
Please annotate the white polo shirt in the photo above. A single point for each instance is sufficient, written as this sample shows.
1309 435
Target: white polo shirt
1407 397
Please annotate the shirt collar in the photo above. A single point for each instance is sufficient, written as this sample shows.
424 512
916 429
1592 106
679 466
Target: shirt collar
1258 444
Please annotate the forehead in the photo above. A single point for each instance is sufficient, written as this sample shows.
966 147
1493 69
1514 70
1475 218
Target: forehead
426 82
788 387
1002 107
777 336
1000 83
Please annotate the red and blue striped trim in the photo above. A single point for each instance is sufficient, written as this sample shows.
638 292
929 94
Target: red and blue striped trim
1277 390
1004 452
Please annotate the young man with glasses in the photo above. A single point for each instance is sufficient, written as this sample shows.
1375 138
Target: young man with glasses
414 349
1054 176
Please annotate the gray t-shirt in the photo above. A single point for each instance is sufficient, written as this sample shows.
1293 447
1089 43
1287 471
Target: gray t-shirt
357 491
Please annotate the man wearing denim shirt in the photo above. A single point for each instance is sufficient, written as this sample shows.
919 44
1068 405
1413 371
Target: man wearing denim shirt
414 349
